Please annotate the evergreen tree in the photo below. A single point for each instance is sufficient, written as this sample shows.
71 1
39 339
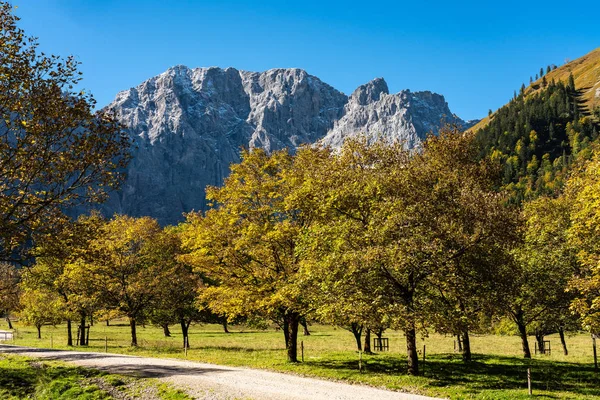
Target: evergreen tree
571 84
546 127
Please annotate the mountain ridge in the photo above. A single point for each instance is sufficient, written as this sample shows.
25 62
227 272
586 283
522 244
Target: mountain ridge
188 125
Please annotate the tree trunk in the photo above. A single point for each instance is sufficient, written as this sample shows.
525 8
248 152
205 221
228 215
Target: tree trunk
39 330
466 347
523 333
356 330
367 345
561 333
107 322
286 331
9 322
293 320
305 331
91 319
166 330
459 343
82 339
184 330
132 325
69 333
225 326
539 337
411 351
379 333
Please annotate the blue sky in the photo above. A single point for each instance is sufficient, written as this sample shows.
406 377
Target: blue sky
474 53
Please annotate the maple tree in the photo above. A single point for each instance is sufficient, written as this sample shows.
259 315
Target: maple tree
247 243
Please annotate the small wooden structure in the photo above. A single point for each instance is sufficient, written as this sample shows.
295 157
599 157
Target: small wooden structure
382 344
545 350
6 335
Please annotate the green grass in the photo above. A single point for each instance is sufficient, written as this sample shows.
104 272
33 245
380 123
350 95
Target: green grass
497 372
27 378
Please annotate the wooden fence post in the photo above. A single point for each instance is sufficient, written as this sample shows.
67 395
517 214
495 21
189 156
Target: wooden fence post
360 368
595 353
302 349
423 359
529 381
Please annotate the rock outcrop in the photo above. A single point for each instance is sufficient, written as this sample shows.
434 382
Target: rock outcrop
188 126
404 117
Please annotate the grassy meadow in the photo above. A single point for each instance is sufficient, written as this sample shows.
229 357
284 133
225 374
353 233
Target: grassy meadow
498 370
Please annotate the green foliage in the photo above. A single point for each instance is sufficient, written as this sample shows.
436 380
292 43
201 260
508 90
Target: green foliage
583 190
392 228
41 307
536 137
247 244
59 269
127 265
545 264
176 301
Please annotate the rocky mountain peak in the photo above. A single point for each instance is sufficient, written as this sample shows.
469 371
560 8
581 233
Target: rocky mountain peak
190 124
405 117
369 92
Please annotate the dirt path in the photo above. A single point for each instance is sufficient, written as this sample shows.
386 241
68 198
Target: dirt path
210 381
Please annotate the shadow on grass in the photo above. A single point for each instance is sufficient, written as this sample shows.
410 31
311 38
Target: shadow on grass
236 349
484 372
140 367
21 378
17 382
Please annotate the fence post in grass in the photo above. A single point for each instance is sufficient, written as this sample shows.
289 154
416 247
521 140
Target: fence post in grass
595 353
51 341
360 368
302 349
106 344
529 381
185 345
423 359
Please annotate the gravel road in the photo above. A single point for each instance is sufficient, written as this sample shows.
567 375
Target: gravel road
216 382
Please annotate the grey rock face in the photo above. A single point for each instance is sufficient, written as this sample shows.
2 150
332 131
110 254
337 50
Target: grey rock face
188 126
405 117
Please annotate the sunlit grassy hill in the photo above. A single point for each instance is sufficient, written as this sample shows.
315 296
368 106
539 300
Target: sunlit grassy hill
586 74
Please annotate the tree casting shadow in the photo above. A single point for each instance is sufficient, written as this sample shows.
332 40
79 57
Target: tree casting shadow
484 372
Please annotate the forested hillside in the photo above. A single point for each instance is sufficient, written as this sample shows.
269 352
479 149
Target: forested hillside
537 136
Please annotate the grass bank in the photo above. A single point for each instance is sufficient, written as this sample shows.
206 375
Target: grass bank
497 372
29 378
